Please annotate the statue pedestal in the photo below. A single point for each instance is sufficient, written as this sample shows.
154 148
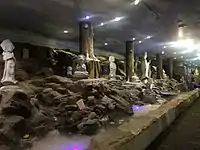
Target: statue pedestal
81 75
10 88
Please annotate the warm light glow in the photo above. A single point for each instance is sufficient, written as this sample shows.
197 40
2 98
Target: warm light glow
66 31
106 44
187 43
137 2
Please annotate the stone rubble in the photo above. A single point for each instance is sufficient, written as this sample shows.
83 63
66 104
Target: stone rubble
42 105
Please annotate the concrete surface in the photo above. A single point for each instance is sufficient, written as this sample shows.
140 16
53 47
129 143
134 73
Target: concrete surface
139 132
183 134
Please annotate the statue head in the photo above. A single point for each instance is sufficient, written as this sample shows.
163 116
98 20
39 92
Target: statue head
145 55
7 46
81 59
69 69
111 59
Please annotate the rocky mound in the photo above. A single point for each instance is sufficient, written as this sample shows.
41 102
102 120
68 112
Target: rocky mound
32 109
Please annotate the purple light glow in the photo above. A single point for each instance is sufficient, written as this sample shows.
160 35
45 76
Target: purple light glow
136 107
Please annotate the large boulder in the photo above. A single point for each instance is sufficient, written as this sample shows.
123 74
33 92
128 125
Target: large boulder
15 102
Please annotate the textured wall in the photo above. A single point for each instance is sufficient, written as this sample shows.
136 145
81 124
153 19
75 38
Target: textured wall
35 39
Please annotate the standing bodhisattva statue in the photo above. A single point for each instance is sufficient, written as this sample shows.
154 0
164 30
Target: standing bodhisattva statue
10 61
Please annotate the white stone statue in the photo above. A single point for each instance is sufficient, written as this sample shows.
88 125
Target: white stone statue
147 65
81 71
80 63
69 71
113 68
10 61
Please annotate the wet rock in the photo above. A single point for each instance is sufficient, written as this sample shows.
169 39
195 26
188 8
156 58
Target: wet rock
89 127
41 123
58 80
91 101
12 128
149 99
108 102
92 115
76 116
47 97
71 107
16 103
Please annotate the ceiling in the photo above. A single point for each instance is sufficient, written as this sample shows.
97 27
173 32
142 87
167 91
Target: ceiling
43 22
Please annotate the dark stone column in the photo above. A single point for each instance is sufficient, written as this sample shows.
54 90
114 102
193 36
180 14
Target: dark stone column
129 60
159 66
171 67
85 37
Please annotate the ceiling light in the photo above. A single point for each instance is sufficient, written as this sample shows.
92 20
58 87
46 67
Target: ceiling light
181 56
175 53
106 44
140 41
148 37
66 31
163 52
87 17
133 39
102 24
137 2
164 47
174 57
118 18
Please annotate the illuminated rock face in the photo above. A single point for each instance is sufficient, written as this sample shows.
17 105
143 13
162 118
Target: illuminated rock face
9 59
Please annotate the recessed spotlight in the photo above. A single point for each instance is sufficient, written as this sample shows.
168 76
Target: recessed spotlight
133 39
102 24
174 57
66 31
140 41
148 37
164 47
175 53
106 44
137 2
118 18
87 17
163 52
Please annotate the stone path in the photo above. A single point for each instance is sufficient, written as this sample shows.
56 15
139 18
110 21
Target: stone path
184 134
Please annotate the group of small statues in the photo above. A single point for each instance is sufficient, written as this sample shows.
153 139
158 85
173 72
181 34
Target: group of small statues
80 70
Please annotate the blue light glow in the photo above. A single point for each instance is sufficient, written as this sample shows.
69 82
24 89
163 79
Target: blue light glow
136 108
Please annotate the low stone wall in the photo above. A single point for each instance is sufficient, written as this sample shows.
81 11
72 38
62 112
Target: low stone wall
139 132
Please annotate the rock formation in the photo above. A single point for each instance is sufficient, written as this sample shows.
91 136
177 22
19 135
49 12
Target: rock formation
37 106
